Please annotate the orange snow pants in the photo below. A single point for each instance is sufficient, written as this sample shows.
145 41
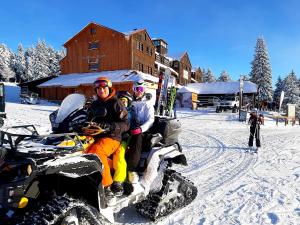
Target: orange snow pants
105 147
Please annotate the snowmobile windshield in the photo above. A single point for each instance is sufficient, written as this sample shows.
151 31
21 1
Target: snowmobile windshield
70 104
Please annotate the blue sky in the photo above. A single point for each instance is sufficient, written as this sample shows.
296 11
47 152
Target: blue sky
219 34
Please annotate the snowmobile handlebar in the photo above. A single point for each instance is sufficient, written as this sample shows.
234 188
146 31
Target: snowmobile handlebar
93 129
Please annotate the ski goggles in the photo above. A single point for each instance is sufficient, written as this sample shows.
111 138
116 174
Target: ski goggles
139 89
102 83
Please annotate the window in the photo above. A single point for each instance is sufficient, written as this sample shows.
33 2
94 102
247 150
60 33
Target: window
94 66
140 46
93 63
93 30
156 43
145 37
148 50
93 45
149 70
140 67
151 52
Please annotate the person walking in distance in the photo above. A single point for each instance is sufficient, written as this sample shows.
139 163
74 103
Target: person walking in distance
255 121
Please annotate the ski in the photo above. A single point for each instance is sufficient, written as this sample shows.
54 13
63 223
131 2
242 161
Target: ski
171 100
162 92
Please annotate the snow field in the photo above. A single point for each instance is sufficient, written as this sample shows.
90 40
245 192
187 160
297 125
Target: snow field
234 186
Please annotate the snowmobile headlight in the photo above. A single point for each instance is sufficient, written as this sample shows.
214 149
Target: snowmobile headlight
10 172
29 169
11 193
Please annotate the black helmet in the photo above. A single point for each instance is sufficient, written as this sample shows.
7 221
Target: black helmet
127 95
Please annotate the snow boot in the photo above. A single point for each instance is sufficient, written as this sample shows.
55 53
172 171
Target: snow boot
108 193
117 188
133 177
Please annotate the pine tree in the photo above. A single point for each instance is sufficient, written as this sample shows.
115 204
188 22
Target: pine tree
29 62
224 77
41 61
6 58
20 64
291 89
261 71
278 89
208 76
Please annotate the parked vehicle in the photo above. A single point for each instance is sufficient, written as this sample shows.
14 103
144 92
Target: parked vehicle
228 103
30 98
47 179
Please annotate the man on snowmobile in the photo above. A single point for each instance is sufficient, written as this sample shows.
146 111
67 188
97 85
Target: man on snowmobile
142 118
109 113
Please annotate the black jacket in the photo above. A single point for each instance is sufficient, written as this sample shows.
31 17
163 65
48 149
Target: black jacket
116 114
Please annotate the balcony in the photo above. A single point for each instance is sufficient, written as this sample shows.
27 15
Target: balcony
161 59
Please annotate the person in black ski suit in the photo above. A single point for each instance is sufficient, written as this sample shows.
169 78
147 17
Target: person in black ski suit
254 122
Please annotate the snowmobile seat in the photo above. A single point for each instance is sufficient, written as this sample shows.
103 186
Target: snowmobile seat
168 128
155 139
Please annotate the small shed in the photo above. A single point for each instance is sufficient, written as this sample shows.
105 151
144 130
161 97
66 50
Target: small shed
58 88
29 87
187 97
208 91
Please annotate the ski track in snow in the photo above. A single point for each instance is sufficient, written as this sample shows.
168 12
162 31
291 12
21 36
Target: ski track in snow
234 186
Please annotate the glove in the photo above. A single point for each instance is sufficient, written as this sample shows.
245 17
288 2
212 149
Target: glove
108 127
136 131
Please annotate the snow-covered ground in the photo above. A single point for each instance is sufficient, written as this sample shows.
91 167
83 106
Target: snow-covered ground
234 186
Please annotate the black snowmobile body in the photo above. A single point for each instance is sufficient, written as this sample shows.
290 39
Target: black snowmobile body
36 173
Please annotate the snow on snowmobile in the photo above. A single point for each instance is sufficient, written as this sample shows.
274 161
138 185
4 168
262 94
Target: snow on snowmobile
46 179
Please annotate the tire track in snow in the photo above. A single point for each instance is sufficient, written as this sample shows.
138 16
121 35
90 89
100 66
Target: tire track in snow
222 171
206 156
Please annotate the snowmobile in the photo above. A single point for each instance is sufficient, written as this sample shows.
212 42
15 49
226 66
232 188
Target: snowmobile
46 179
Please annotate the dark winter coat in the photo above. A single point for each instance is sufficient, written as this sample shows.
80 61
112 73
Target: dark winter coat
116 114
255 120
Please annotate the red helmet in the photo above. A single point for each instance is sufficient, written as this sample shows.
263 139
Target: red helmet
102 82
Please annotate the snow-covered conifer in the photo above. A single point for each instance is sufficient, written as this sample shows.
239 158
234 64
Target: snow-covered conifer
224 76
6 59
278 89
261 71
20 64
208 76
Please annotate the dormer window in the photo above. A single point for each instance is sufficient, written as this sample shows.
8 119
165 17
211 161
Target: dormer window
93 45
93 30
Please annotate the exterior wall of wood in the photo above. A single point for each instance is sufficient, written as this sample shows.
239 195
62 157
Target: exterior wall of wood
113 52
59 93
197 75
143 52
184 64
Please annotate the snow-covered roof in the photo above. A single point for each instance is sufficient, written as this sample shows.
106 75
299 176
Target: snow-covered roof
76 79
127 33
231 87
166 67
185 89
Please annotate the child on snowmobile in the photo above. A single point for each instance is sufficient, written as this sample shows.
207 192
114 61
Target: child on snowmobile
114 121
142 118
254 122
